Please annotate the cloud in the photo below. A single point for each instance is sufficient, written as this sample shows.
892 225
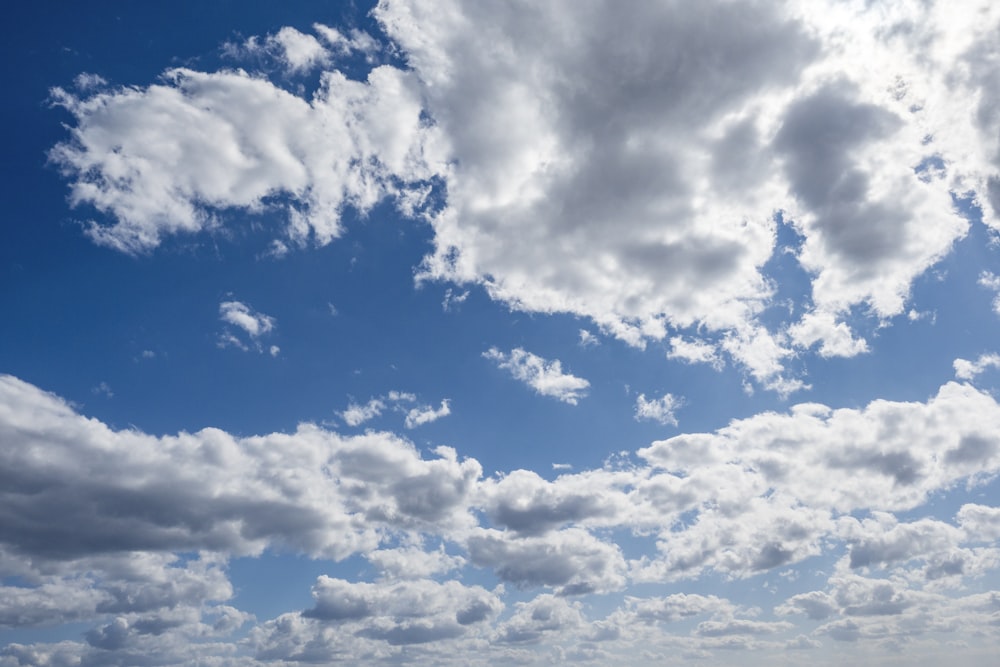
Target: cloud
694 351
991 282
175 156
587 339
405 612
654 218
658 409
413 562
545 377
324 495
969 370
356 415
572 561
131 532
426 414
246 322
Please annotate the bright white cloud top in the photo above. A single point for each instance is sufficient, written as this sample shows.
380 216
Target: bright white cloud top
773 224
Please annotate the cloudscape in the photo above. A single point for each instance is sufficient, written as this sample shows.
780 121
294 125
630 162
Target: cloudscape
426 332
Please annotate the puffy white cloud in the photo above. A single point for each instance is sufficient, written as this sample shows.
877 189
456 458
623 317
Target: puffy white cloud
835 337
968 370
80 488
525 503
250 324
658 409
413 562
405 612
299 50
980 522
572 561
544 376
545 617
356 414
94 519
168 158
678 606
622 166
426 414
694 351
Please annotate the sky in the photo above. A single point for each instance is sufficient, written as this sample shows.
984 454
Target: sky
434 332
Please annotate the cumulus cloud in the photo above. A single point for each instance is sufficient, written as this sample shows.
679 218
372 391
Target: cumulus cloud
356 414
426 414
296 51
545 377
969 370
658 409
100 525
651 218
311 490
172 157
694 351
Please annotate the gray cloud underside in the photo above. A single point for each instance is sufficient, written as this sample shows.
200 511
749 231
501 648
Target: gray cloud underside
99 525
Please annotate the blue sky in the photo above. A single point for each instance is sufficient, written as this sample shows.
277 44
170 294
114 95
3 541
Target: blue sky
436 332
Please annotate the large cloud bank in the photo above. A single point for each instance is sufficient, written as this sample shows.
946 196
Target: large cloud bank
627 166
132 533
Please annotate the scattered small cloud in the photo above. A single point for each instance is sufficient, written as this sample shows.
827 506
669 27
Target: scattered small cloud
544 376
968 370
245 327
991 281
102 389
357 414
426 414
453 298
658 409
588 339
87 81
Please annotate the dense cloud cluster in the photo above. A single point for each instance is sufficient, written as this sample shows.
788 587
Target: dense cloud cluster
133 533
629 167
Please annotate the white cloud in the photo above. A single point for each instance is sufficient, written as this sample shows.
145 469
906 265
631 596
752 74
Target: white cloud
252 325
825 112
171 157
588 339
355 414
299 51
835 337
426 414
545 377
310 490
968 370
694 351
991 281
355 40
755 496
658 409
413 562
453 298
